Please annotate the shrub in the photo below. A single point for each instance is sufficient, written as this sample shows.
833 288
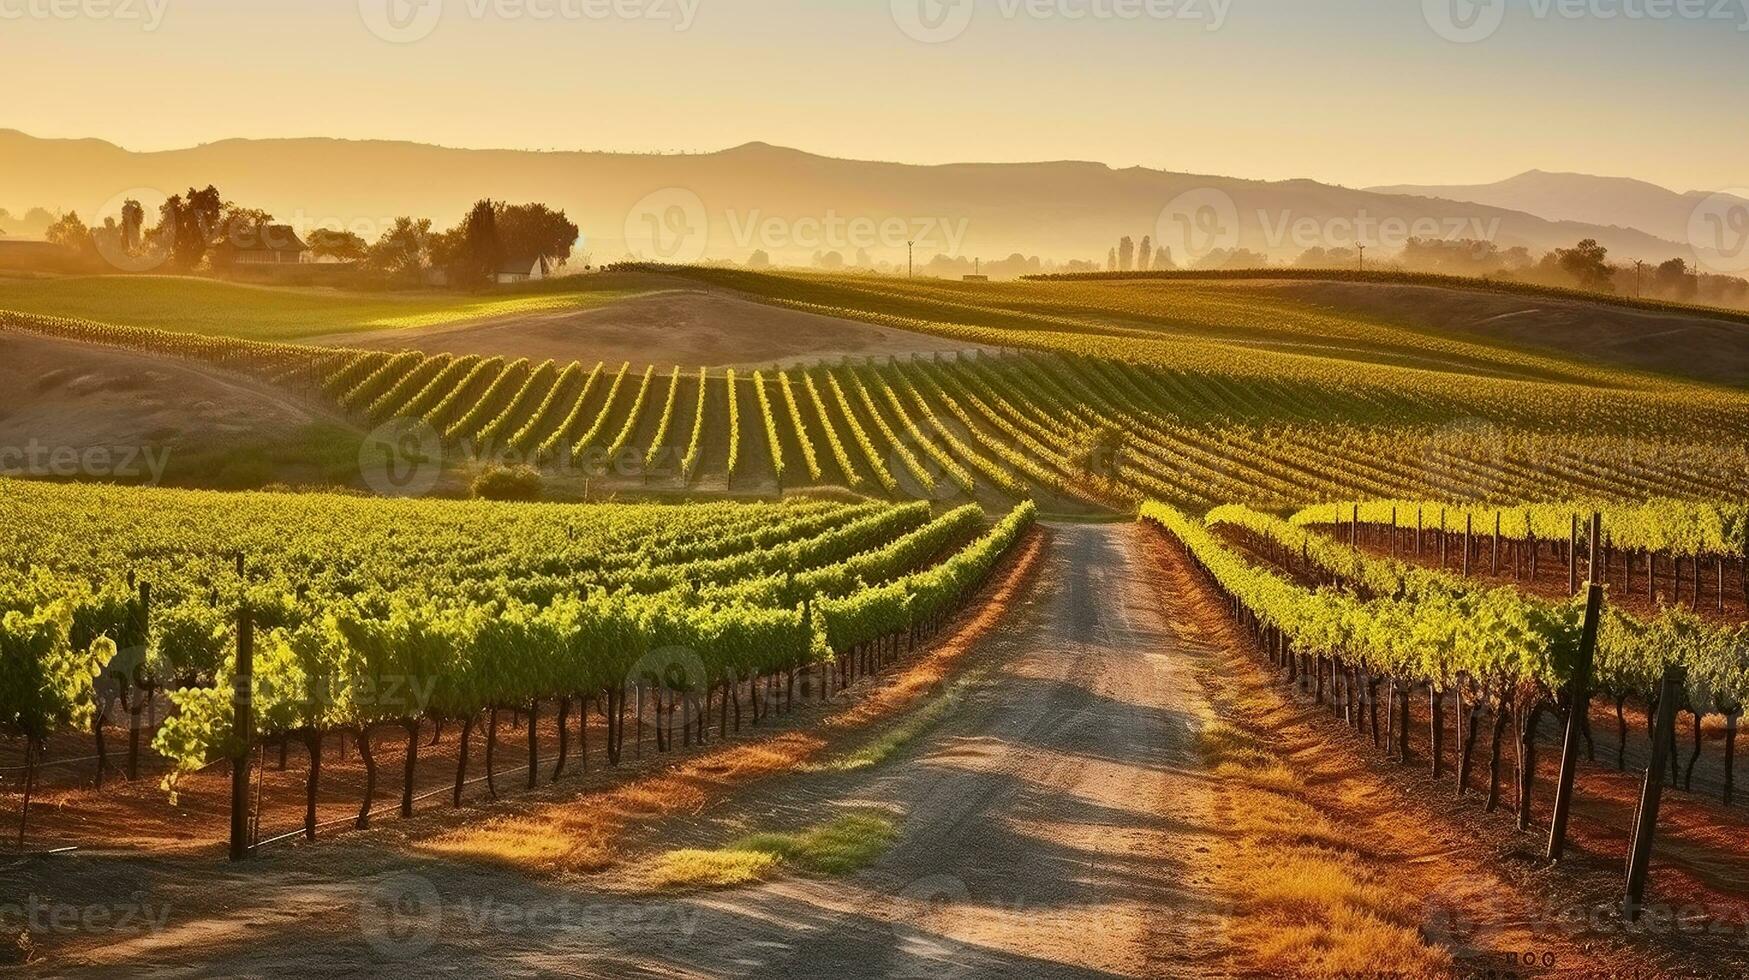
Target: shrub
508 483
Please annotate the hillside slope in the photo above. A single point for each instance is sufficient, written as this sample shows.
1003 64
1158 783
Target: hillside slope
1577 197
1054 209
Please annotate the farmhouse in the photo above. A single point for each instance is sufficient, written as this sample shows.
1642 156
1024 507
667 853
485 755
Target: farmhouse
523 270
260 245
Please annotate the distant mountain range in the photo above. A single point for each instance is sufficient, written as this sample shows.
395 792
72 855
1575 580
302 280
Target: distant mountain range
792 204
1582 198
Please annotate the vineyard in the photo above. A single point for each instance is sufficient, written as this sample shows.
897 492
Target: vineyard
1458 571
1078 425
353 617
1359 631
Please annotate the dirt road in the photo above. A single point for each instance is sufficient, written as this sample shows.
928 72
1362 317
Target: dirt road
1050 825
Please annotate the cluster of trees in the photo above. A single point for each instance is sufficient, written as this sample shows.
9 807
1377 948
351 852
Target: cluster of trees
1585 266
939 266
187 228
1126 257
1231 258
30 224
493 236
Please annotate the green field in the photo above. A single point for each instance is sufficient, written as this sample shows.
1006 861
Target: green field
209 307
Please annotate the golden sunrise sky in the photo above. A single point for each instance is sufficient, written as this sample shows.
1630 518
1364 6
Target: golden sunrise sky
1351 91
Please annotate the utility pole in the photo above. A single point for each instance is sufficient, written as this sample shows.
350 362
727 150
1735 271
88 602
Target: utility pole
910 260
1639 268
1362 255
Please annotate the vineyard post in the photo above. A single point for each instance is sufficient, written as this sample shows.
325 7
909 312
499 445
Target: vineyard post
242 698
1652 794
1573 554
1354 529
135 707
1393 532
30 760
1469 531
1578 698
1443 538
1495 568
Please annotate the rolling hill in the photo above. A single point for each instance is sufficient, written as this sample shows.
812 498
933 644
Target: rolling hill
1575 197
1060 210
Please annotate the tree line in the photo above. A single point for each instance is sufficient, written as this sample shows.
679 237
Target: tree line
194 232
1586 265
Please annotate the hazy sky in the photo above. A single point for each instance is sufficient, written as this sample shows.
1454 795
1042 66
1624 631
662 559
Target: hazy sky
1351 91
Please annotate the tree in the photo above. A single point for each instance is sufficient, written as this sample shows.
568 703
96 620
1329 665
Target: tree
1585 263
1126 254
529 232
1238 258
759 259
133 221
1145 257
1111 261
187 223
480 252
1163 259
1672 280
71 234
402 252
330 243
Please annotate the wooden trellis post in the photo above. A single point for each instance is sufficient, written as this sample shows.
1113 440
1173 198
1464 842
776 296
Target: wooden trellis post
1573 554
1578 701
1652 795
243 724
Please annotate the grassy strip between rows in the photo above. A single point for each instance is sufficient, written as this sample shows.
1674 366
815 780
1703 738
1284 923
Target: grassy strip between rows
836 847
1311 905
918 722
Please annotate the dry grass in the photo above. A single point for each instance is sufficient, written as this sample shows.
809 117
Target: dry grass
724 868
1312 905
1311 900
580 835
